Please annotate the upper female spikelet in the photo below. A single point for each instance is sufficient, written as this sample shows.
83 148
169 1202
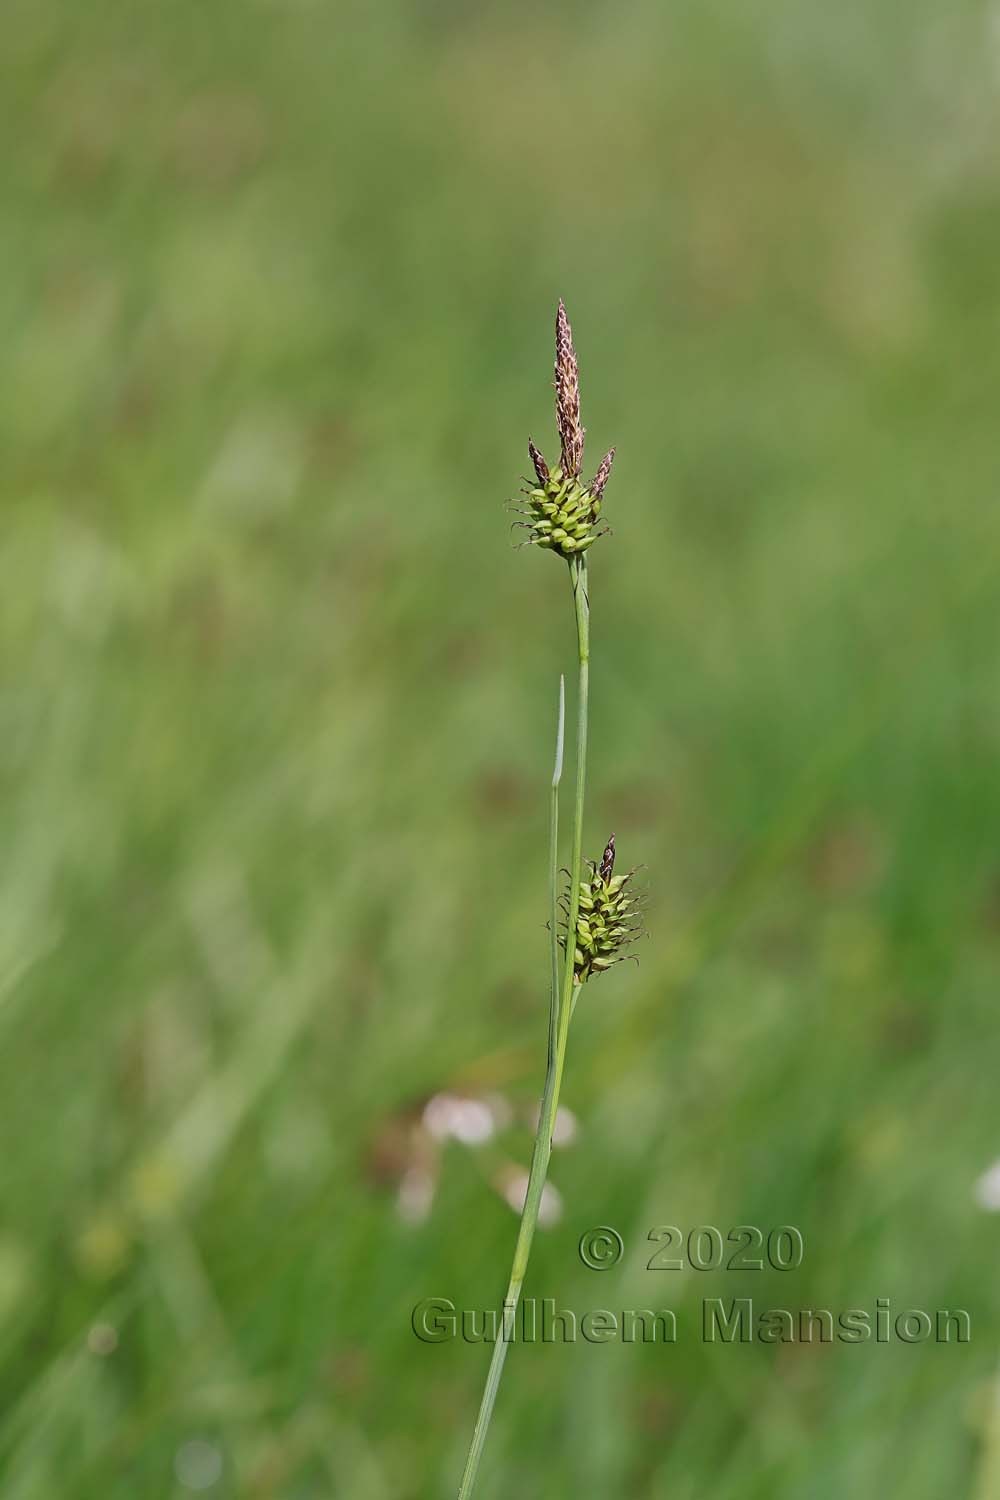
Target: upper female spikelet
561 511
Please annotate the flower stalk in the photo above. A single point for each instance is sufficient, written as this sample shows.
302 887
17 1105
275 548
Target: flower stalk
561 514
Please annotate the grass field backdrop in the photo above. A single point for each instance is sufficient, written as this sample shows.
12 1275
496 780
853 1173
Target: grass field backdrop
277 280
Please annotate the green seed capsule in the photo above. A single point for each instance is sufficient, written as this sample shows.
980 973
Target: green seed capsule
568 508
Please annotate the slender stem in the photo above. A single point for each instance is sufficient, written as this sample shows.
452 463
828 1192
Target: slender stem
581 602
560 1008
554 873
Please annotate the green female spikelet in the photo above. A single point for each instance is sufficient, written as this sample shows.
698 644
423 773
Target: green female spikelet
561 511
608 919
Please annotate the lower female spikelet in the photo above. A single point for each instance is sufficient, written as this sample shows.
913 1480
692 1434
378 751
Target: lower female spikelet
608 919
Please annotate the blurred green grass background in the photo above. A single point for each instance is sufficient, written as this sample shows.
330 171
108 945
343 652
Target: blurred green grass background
276 290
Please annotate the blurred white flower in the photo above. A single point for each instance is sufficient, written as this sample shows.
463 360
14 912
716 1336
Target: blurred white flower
198 1464
987 1189
470 1121
567 1127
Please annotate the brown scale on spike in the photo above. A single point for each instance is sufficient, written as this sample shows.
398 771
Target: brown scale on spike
538 462
600 479
607 868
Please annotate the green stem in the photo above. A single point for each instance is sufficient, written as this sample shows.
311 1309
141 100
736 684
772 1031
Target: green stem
581 602
560 1009
554 873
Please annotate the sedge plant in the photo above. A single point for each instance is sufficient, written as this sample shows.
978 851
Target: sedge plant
596 917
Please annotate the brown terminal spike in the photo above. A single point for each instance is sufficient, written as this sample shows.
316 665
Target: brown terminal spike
607 867
600 479
540 466
568 397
